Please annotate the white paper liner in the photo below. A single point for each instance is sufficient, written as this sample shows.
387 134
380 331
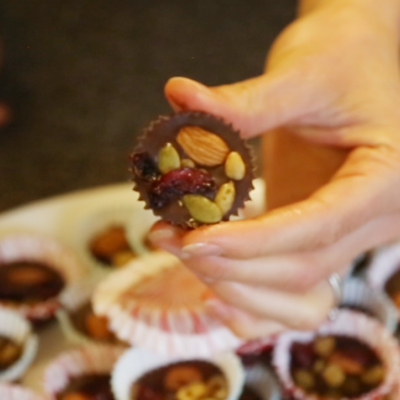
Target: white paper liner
263 382
15 392
347 323
357 293
94 359
16 328
136 362
189 332
93 221
41 249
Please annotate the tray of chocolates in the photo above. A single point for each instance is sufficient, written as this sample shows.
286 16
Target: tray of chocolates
89 310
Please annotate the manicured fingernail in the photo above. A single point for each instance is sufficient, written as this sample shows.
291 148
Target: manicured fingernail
160 234
202 250
218 308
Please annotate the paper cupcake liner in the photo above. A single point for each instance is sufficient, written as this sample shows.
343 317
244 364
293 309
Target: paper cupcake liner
179 331
136 362
15 327
15 392
263 382
257 345
30 247
347 323
357 293
85 360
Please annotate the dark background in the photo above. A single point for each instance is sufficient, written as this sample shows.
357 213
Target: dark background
84 77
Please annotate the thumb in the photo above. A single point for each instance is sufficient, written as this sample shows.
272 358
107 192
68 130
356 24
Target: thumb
252 106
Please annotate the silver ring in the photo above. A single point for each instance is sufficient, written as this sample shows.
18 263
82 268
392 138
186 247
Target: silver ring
337 288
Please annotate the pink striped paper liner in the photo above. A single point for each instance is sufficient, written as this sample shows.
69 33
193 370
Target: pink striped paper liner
183 331
257 345
31 247
347 323
15 392
89 359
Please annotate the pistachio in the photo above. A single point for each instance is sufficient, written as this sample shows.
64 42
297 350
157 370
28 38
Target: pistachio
225 197
187 162
374 375
234 166
168 159
193 391
324 345
304 378
202 209
333 375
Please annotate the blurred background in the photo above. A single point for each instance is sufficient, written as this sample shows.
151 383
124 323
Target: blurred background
83 78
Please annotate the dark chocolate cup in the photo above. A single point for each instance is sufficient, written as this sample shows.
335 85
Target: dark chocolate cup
164 130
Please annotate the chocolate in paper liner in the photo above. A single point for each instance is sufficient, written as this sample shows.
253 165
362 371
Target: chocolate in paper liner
165 130
346 323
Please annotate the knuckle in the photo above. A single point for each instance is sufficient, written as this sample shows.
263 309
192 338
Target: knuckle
308 320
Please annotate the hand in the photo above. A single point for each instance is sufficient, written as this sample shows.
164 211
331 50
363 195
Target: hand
332 78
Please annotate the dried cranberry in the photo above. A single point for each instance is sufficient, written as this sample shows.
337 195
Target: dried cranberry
144 167
178 182
303 354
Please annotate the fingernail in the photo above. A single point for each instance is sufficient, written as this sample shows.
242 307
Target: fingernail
218 308
160 234
201 250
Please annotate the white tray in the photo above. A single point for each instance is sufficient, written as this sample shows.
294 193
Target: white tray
53 217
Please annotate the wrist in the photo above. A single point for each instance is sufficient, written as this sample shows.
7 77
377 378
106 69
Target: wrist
385 13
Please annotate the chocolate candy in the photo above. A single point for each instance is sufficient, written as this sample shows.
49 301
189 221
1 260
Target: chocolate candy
88 387
10 352
29 282
192 169
336 367
111 248
91 325
187 380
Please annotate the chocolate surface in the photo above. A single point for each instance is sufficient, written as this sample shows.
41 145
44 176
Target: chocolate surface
85 321
88 387
110 246
29 282
165 382
201 179
335 367
392 288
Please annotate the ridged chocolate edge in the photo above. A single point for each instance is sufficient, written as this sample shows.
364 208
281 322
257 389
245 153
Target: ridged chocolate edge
225 130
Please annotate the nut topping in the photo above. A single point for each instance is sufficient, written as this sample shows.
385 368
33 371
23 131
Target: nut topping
204 147
225 197
168 159
234 166
202 209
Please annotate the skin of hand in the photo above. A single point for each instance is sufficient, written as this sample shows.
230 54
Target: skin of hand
332 80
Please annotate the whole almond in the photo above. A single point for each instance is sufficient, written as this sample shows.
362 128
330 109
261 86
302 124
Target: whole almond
225 197
234 166
202 209
168 159
204 147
